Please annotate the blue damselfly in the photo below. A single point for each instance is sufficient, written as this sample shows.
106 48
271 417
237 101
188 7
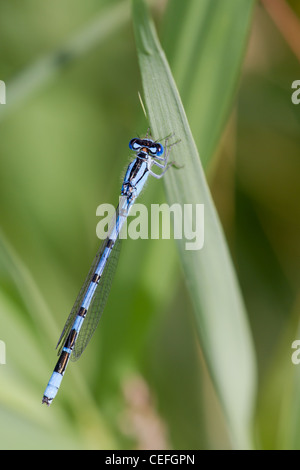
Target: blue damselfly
91 300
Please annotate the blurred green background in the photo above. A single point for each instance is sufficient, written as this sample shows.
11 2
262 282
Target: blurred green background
142 383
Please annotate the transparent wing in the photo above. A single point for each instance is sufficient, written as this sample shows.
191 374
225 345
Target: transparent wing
98 303
70 320
123 206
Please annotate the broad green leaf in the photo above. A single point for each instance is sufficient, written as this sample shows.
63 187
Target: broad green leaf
219 309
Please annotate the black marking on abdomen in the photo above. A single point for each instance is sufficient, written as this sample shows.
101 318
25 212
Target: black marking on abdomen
110 243
82 312
71 339
62 362
96 278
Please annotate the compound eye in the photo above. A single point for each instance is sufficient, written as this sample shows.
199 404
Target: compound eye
134 144
159 149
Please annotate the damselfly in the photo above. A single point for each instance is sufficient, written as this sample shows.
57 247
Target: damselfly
91 300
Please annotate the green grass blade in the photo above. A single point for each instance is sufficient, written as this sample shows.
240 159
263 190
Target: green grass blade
219 310
22 384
